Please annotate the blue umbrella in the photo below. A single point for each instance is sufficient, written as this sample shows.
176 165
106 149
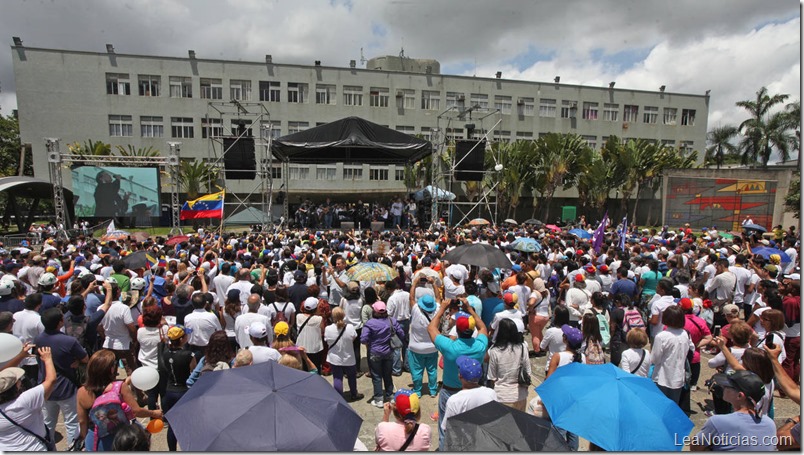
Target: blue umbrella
754 227
264 407
526 244
766 252
580 233
614 409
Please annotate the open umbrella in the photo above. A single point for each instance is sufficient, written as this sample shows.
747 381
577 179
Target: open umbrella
533 221
140 236
479 254
479 222
139 260
553 227
494 427
766 252
173 241
580 233
263 407
511 221
371 271
616 410
115 235
526 244
754 227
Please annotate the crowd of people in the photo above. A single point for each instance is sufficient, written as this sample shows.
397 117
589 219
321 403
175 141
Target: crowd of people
397 213
648 301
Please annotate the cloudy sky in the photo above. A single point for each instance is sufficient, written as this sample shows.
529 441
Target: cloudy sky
731 47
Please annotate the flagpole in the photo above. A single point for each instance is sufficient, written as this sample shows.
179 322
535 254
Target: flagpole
223 203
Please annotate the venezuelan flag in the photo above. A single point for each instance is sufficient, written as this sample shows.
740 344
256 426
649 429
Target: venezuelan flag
209 206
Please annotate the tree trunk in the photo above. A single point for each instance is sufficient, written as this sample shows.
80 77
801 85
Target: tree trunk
636 202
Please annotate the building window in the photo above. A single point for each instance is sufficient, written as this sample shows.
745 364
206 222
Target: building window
276 129
479 99
406 129
399 175
120 126
181 87
427 133
431 100
378 97
547 108
118 84
630 113
325 173
668 143
406 99
502 136
651 114
299 173
568 108
591 141
686 147
297 92
590 111
611 112
524 135
353 173
181 127
151 126
240 90
688 117
526 106
269 91
211 127
211 89
503 103
149 85
378 174
352 95
454 134
325 94
455 99
276 172
295 127
670 114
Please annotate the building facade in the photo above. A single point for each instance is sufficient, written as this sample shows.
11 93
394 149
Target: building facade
146 101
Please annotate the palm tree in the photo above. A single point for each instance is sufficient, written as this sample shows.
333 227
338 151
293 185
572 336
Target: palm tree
793 111
594 183
141 151
720 139
90 148
560 159
759 135
192 174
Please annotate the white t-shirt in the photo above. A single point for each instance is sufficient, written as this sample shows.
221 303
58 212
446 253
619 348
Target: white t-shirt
148 338
720 360
743 276
270 310
420 342
504 371
115 323
710 269
793 260
580 298
352 309
630 359
669 354
523 293
342 353
310 336
657 307
542 307
262 354
245 291
511 314
552 342
203 324
26 410
399 305
465 400
27 326
222 283
241 324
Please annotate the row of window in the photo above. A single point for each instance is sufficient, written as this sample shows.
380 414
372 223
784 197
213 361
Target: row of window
331 173
297 92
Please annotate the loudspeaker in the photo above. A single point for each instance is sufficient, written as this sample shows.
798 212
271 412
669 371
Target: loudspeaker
239 160
470 156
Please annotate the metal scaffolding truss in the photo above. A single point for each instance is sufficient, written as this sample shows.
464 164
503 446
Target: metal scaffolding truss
444 178
58 161
252 115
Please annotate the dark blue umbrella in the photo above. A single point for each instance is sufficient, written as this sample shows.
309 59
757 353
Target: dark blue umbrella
616 410
766 252
263 407
580 233
754 227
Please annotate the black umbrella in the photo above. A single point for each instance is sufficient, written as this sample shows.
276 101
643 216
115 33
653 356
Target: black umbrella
136 260
479 254
533 221
494 427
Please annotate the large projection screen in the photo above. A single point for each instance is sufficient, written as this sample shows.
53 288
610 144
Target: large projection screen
111 191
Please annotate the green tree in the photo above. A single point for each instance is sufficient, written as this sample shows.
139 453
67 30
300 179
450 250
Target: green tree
595 183
559 160
194 174
11 148
90 148
130 150
765 130
792 201
720 141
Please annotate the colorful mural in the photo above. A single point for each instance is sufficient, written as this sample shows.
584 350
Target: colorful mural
724 203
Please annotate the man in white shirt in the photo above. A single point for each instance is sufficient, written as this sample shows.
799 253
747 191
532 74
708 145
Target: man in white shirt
721 290
246 320
660 302
27 326
472 394
790 251
743 278
258 344
120 328
458 270
510 300
243 284
222 282
398 306
202 323
452 286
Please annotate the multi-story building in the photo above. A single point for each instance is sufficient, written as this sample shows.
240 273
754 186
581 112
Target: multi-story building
145 100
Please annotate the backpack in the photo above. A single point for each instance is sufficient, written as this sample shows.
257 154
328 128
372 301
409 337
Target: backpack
109 413
605 333
279 316
633 320
76 327
594 353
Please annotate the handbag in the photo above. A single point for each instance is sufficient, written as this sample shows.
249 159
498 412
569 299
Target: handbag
47 440
524 378
396 343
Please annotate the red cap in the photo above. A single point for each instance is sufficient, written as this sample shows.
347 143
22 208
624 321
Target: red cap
590 268
579 253
464 324
685 304
509 298
579 277
688 231
604 268
653 247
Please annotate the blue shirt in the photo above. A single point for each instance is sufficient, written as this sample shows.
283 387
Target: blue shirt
490 305
65 350
452 349
49 301
738 431
93 302
624 286
11 304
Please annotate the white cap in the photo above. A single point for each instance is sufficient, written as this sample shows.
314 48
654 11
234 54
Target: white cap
310 303
257 330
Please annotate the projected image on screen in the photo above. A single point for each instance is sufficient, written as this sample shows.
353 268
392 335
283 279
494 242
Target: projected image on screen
108 191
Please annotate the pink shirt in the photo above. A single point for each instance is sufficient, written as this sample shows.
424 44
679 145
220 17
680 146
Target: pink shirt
390 437
697 333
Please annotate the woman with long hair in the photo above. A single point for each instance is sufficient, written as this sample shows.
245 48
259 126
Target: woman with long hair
593 341
175 364
229 312
504 358
102 378
376 336
553 341
341 356
218 355
149 336
573 339
310 327
758 361
352 305
405 433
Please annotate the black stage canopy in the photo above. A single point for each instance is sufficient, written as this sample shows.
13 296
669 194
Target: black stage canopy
350 140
